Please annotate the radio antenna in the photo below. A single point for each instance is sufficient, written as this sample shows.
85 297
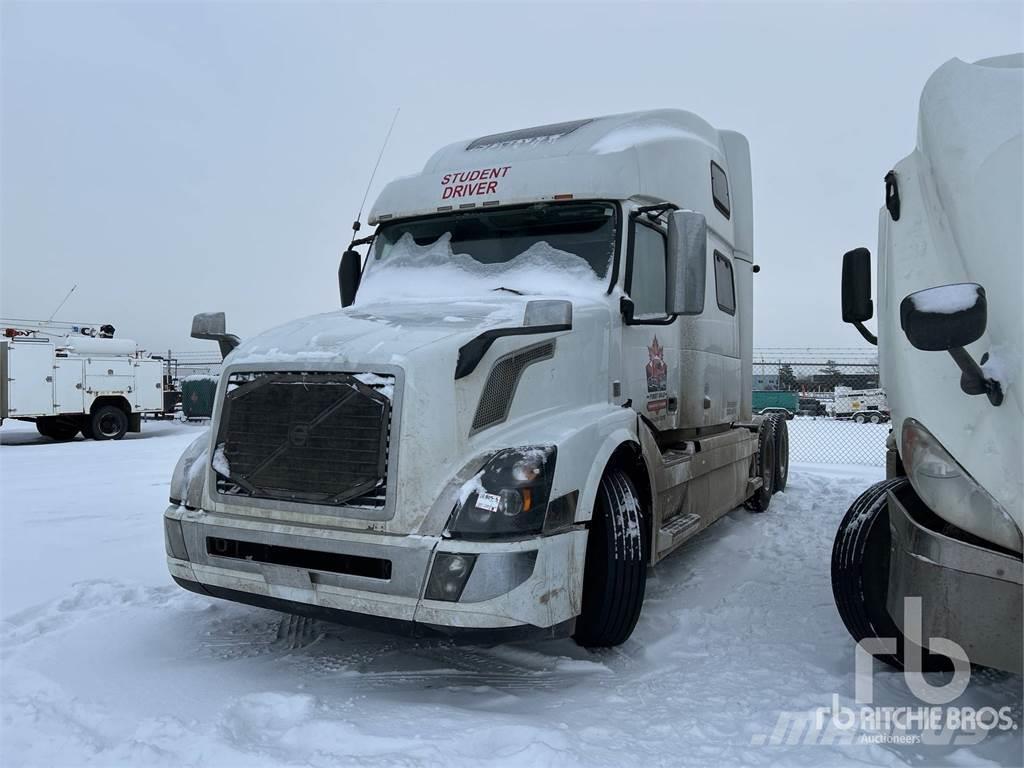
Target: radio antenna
356 224
68 296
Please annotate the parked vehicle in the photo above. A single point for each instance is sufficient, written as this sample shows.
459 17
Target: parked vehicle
945 527
68 378
539 385
773 401
861 405
811 406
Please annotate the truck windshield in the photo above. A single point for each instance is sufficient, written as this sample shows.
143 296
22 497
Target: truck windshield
549 248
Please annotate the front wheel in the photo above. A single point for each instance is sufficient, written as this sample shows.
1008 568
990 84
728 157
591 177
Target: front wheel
615 573
859 418
860 573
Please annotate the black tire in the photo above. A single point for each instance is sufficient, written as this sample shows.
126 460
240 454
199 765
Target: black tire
860 573
781 455
615 573
859 418
764 467
57 428
875 418
108 422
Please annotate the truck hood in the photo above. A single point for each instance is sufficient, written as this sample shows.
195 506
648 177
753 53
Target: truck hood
376 333
436 445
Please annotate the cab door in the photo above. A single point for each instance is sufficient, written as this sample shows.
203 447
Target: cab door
650 343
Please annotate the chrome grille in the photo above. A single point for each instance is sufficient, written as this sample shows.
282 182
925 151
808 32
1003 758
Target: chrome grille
318 438
496 398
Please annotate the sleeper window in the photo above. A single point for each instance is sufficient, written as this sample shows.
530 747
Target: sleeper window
647 281
724 286
720 189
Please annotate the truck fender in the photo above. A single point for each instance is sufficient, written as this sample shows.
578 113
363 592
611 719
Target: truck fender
619 437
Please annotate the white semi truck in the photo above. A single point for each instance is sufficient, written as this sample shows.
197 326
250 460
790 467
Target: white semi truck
67 378
945 527
538 386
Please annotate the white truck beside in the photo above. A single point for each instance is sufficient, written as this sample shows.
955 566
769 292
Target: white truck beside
945 526
68 379
538 386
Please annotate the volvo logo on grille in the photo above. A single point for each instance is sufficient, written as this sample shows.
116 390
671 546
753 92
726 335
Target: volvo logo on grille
298 434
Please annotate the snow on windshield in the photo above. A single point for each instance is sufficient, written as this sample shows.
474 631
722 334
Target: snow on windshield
435 271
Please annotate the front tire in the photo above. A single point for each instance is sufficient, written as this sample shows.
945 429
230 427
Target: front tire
615 573
860 573
108 422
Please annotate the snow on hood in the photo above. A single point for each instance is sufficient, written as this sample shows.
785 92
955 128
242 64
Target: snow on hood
383 332
434 272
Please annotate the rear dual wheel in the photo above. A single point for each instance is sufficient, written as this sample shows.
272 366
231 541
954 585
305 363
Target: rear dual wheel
108 422
57 428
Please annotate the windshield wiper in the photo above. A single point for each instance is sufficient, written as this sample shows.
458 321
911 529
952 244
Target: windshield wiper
510 290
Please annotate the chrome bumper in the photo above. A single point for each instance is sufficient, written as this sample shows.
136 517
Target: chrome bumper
969 594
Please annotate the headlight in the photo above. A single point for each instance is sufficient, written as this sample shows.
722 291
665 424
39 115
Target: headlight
946 488
509 497
187 468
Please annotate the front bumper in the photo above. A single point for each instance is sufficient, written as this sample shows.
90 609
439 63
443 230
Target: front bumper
497 596
969 594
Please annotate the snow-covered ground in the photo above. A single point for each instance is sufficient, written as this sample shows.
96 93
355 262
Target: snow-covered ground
106 662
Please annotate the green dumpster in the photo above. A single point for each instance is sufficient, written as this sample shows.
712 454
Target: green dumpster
197 395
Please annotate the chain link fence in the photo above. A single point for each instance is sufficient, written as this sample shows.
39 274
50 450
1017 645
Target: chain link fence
838 413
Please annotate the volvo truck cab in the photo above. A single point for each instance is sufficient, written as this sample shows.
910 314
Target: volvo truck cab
944 528
538 385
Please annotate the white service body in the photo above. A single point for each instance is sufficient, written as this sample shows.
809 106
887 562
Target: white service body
592 391
65 377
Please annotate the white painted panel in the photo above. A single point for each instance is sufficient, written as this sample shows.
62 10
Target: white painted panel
68 389
31 379
149 391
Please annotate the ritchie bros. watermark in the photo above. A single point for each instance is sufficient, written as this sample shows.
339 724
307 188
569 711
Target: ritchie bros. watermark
934 723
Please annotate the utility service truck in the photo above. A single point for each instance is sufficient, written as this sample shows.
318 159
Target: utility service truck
538 386
931 557
73 377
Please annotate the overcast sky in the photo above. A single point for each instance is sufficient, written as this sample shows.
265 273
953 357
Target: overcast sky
178 158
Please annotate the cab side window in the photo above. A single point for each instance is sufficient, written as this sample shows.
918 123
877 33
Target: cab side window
647 278
725 287
720 189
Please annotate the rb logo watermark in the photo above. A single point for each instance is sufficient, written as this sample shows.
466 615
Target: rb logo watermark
934 724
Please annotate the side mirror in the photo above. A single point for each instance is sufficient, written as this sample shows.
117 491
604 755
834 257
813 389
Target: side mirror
687 263
857 304
946 319
212 326
940 319
349 274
